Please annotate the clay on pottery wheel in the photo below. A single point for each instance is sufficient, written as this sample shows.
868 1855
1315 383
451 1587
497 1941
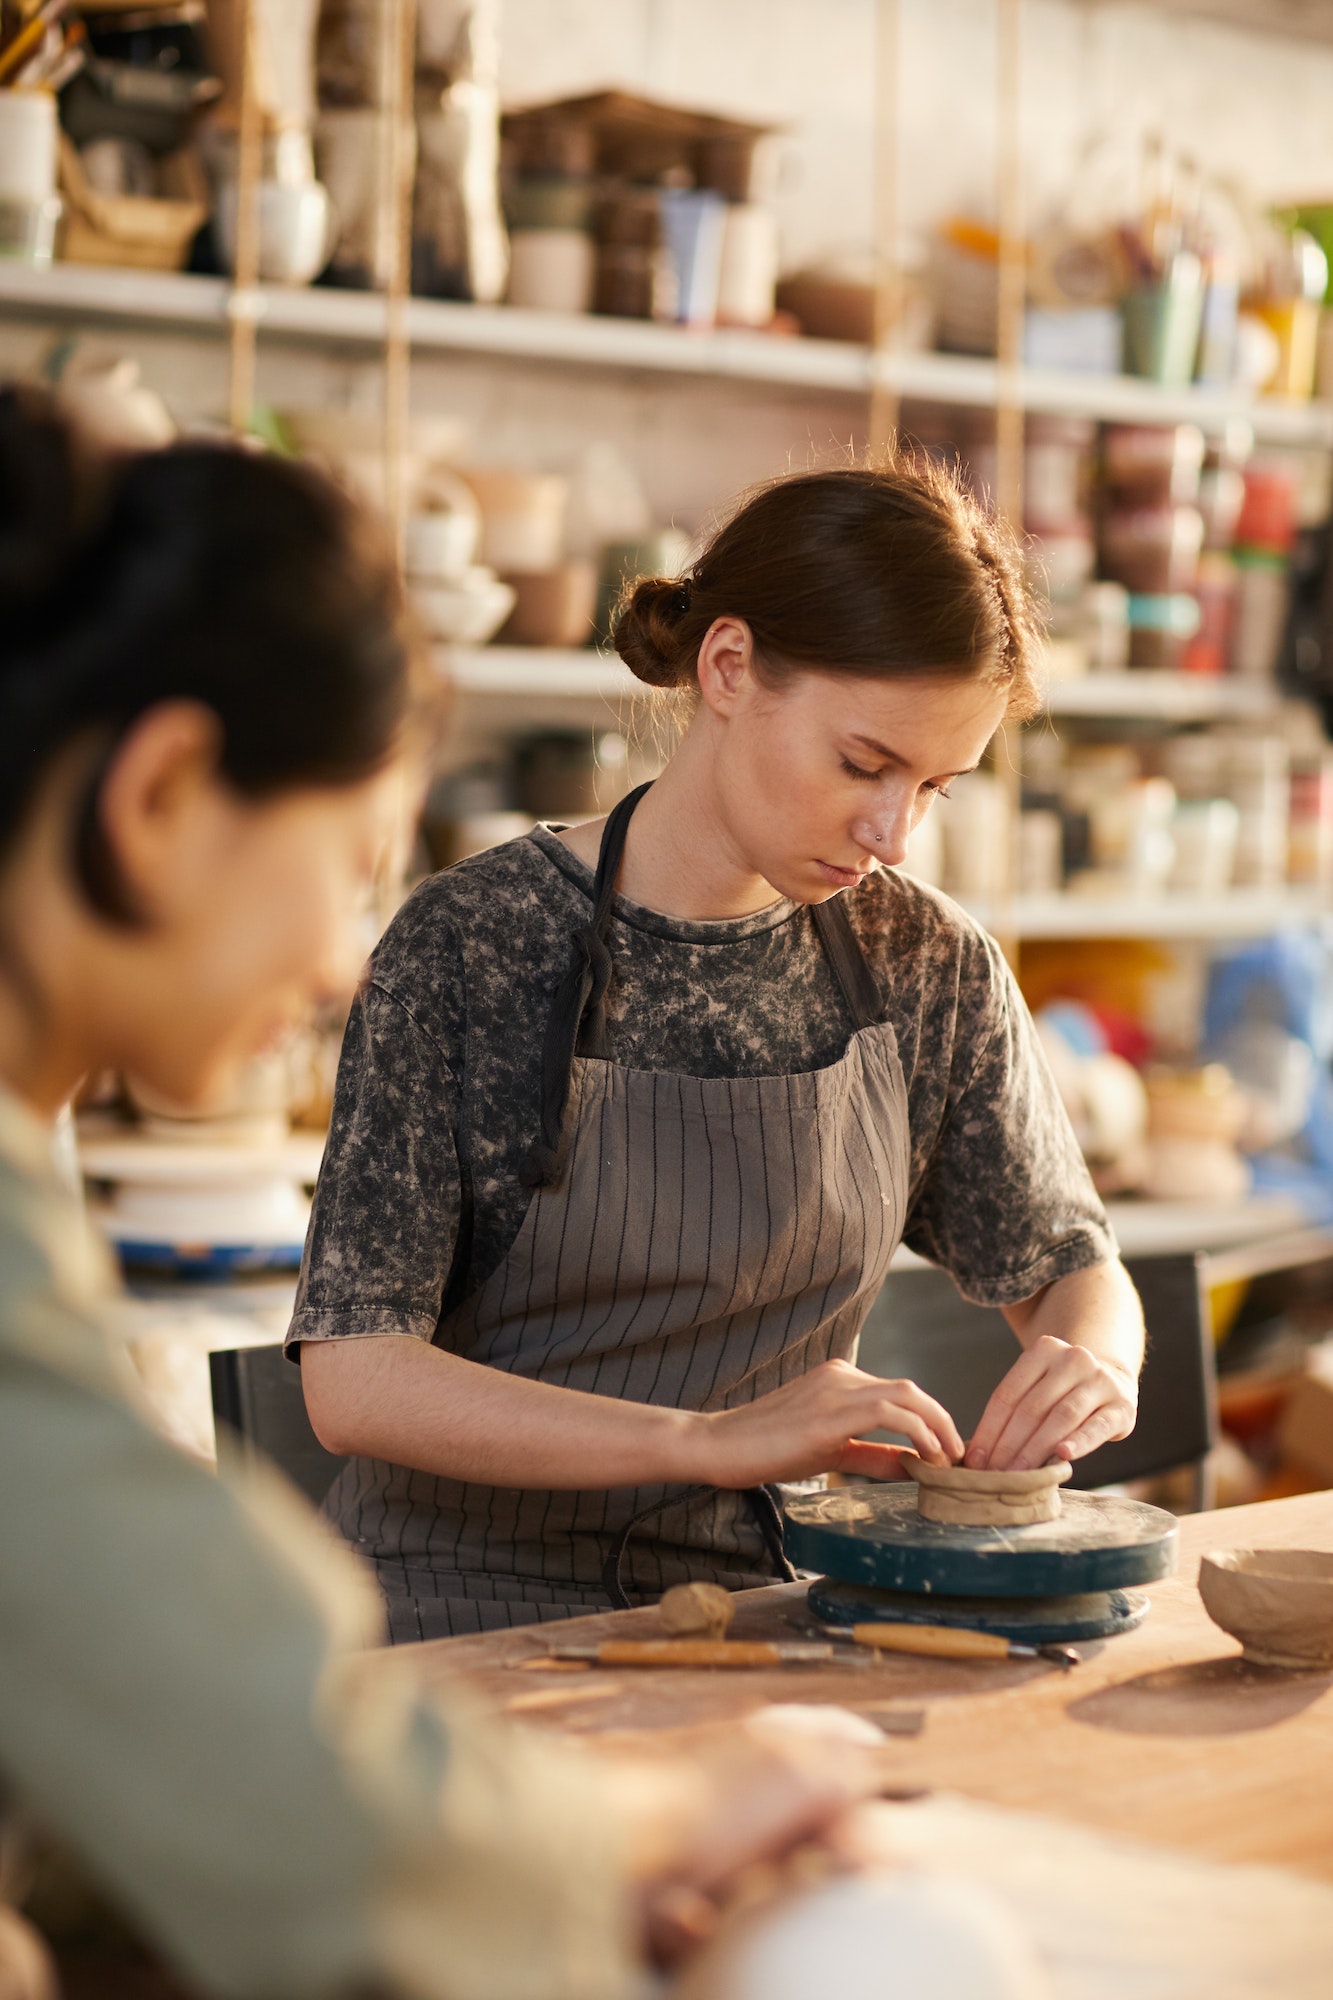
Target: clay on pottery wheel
1277 1602
961 1498
688 1609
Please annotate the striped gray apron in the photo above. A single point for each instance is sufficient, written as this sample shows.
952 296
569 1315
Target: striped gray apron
691 1241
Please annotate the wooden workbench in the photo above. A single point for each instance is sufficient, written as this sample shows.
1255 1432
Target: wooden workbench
1163 1733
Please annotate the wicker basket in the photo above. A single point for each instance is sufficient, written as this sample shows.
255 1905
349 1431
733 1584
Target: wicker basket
147 234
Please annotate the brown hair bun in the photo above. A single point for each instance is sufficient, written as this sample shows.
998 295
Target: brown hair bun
885 570
647 631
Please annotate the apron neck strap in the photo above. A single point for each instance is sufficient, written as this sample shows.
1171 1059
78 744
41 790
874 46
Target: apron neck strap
851 968
610 855
577 1021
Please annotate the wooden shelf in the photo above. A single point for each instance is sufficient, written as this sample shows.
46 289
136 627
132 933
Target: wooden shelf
357 319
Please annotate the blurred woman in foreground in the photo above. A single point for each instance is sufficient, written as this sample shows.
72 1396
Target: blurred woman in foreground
202 699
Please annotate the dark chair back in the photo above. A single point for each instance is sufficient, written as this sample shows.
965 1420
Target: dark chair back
919 1327
257 1394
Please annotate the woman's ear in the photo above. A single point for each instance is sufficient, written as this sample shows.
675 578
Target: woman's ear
156 803
726 664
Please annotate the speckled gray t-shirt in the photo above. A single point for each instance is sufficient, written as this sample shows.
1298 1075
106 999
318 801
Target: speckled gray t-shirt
439 1087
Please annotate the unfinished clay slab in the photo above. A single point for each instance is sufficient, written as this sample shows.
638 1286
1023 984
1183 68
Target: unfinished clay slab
961 1498
1277 1602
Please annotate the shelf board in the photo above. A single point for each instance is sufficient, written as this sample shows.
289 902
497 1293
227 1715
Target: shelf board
1289 20
534 673
1163 697
1121 399
525 673
357 319
1237 914
109 1152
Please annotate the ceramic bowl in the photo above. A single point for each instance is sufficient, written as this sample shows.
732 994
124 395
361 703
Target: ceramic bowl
467 613
295 230
441 545
522 516
1277 1602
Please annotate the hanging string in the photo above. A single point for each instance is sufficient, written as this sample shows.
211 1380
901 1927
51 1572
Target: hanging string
397 174
243 301
884 394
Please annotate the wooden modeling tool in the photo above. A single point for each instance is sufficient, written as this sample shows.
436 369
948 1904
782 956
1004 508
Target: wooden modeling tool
708 1653
945 1642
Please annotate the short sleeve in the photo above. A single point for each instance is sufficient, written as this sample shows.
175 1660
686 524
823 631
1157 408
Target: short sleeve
1005 1202
386 1216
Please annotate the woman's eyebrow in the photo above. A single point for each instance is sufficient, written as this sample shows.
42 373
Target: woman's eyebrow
892 756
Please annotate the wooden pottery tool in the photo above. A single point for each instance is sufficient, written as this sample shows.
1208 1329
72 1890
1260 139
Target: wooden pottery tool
708 1653
945 1642
1045 1583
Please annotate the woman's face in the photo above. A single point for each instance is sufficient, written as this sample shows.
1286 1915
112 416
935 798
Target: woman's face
253 911
282 924
825 776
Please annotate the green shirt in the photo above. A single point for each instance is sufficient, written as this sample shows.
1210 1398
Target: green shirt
181 1698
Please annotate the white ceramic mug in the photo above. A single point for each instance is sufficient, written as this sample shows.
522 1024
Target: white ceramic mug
552 270
749 274
1205 832
295 230
522 517
28 138
442 544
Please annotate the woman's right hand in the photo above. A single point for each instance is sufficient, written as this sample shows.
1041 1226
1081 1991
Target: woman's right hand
814 1425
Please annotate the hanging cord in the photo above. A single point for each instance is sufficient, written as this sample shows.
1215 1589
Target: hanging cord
243 300
763 1504
580 993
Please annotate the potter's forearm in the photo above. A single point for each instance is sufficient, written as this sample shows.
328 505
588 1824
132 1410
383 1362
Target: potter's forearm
1097 1309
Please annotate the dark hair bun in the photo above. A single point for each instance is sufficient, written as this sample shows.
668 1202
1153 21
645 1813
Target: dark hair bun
649 633
44 499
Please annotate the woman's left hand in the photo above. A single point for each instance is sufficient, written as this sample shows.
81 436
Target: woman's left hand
1057 1401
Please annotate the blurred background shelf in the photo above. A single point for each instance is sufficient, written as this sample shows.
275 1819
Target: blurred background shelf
1236 914
526 672
357 319
533 672
1300 20
1163 697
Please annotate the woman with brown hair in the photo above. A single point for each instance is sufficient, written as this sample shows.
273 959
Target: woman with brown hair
633 1115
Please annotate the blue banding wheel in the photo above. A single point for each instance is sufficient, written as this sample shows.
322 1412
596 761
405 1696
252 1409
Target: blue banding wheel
874 1535
1031 1621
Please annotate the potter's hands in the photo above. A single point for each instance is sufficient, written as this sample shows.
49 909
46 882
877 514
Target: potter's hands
1057 1401
713 1818
816 1423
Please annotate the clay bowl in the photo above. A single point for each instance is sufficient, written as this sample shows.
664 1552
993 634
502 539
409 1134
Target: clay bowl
956 1495
1277 1602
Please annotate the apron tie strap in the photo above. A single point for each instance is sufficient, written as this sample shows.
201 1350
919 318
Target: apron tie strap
576 1024
763 1505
